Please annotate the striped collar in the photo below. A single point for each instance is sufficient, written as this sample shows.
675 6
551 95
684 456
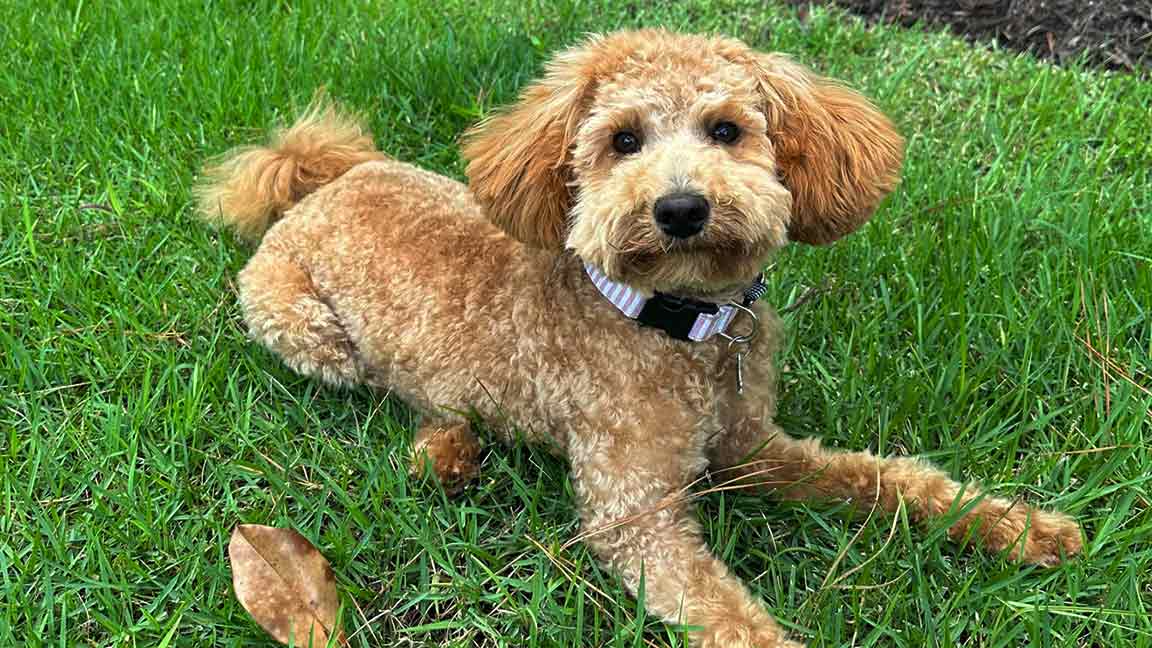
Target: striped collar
680 317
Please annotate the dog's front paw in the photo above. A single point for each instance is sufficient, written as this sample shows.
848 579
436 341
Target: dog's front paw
1052 538
1031 535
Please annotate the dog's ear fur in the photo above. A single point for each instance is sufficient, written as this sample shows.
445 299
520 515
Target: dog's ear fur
518 159
837 153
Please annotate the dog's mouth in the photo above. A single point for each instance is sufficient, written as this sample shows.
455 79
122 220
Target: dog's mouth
705 255
696 244
730 250
713 246
698 269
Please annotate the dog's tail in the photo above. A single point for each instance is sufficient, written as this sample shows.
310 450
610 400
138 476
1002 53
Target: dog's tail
249 188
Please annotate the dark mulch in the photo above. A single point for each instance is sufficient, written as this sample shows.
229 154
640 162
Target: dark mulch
1114 34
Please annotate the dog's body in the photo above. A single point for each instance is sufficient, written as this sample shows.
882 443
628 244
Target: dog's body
433 302
397 278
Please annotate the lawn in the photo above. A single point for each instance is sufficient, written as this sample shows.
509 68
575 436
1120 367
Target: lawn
996 317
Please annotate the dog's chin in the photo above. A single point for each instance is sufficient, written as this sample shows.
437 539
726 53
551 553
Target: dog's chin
694 268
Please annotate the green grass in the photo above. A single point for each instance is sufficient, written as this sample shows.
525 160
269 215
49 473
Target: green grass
138 425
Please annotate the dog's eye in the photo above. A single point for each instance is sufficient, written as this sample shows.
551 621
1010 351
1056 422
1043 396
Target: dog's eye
626 142
725 132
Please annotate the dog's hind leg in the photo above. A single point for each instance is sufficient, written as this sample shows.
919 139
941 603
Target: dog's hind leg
286 313
764 456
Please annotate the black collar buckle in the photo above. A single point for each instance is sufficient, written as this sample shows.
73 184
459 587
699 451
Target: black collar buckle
674 315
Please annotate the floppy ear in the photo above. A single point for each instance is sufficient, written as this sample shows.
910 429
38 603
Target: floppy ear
518 158
837 153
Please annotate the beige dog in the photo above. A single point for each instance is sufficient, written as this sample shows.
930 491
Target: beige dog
597 289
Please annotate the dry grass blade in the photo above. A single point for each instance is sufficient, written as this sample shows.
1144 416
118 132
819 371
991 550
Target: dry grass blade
808 294
286 584
569 570
828 578
742 481
1114 366
887 541
1108 365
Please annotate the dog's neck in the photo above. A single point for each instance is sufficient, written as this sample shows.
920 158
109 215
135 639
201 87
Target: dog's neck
681 317
734 292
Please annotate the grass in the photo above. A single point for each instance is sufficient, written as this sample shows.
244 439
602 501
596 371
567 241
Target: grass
137 424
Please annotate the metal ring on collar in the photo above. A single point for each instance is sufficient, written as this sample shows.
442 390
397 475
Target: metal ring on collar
752 332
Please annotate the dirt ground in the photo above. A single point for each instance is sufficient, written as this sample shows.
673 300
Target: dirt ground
1113 34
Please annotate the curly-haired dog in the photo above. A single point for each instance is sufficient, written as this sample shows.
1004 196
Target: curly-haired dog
593 289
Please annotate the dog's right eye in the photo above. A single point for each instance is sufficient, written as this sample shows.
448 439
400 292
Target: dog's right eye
626 142
726 132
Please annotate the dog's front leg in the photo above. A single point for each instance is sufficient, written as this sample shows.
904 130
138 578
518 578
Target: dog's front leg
761 454
638 521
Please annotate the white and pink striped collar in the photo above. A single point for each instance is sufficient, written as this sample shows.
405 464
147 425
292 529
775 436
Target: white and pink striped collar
710 319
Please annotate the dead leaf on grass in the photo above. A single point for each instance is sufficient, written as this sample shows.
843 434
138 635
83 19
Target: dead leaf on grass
285 583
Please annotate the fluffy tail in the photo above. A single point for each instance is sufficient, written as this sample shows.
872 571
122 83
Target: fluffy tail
250 188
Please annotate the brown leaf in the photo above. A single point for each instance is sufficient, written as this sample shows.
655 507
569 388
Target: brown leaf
285 584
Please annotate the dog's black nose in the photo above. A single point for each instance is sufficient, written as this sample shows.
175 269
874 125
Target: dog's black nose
681 215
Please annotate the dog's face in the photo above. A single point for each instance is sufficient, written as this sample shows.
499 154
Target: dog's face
674 177
679 163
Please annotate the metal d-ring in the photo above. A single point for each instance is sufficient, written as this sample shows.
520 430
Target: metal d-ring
747 338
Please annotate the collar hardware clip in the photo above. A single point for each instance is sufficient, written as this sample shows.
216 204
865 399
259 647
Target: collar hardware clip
740 343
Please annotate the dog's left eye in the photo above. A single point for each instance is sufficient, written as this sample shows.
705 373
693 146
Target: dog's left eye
725 132
626 142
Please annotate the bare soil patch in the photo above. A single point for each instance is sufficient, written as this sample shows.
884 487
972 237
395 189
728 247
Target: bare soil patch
1112 34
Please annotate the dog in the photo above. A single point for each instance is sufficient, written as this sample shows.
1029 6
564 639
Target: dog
595 287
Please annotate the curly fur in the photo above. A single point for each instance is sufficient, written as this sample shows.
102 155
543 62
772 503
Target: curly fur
383 274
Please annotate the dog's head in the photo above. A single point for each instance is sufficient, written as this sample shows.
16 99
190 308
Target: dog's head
677 162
